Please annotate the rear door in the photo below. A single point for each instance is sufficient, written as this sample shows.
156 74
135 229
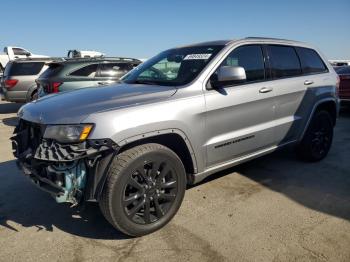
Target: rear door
240 115
294 82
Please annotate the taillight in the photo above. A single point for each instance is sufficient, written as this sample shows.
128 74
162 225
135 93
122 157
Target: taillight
9 83
55 86
337 86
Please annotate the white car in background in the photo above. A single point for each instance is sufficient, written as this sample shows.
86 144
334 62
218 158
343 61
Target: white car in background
12 53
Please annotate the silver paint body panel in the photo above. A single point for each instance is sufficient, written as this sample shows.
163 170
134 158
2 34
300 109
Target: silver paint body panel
221 128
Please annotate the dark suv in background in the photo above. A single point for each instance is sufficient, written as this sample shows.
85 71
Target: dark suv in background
83 72
18 81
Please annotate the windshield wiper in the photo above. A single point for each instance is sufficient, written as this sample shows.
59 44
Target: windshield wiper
144 82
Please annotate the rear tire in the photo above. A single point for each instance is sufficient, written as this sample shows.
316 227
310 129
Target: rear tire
144 189
318 137
34 96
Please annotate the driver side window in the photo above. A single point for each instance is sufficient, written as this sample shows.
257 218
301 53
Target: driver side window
249 57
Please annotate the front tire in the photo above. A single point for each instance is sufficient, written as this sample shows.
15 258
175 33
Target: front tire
144 189
317 140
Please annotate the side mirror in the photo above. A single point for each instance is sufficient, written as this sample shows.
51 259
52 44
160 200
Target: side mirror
27 54
231 73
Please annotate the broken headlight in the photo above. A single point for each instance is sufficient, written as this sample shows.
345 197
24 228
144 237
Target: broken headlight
68 133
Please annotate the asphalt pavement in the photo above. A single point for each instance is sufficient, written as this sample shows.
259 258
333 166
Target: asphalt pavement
275 208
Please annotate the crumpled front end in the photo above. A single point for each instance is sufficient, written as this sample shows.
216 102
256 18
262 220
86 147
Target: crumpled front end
69 172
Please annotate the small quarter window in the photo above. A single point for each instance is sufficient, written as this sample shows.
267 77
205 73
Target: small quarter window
310 61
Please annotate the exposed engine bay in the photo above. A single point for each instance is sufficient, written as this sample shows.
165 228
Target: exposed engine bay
69 172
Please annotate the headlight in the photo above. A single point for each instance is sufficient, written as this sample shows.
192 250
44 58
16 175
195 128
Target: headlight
68 133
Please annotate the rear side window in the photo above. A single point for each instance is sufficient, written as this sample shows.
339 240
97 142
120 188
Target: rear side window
53 70
86 71
250 58
284 61
310 61
24 69
114 69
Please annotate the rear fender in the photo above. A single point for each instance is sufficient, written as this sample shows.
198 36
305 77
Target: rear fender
30 92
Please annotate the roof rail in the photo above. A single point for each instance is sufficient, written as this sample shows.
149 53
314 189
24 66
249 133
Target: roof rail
39 59
268 38
99 58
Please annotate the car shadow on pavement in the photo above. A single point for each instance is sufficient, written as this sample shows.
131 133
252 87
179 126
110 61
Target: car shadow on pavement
24 205
322 186
10 121
7 108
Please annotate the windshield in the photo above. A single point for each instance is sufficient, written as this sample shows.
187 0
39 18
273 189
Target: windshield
174 67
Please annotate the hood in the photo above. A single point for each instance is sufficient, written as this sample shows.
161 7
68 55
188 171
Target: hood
73 107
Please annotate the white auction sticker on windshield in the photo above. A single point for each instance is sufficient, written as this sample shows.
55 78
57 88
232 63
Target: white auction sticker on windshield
197 56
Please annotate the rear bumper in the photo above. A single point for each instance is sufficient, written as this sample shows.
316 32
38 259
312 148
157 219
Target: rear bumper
14 96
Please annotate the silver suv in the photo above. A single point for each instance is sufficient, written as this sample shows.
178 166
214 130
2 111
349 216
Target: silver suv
174 120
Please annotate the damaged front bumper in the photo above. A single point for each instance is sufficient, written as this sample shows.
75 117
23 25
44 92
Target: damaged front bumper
69 172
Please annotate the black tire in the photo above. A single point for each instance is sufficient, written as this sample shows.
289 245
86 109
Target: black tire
159 190
318 138
34 96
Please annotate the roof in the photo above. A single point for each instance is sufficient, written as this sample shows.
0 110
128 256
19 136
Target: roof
209 43
227 42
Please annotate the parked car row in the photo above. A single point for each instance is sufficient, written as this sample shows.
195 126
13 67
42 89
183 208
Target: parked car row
26 79
173 120
18 81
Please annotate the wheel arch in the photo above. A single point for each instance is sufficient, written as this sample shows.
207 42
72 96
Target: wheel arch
174 139
328 104
30 92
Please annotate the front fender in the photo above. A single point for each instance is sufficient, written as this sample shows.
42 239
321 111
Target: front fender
185 117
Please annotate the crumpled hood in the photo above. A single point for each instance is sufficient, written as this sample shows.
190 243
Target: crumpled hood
73 107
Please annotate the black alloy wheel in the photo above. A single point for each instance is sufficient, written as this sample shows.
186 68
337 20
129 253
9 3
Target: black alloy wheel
318 138
150 191
144 189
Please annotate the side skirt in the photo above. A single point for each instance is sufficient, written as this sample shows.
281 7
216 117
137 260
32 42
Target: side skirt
234 162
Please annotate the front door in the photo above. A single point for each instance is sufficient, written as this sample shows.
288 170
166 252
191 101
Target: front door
240 116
